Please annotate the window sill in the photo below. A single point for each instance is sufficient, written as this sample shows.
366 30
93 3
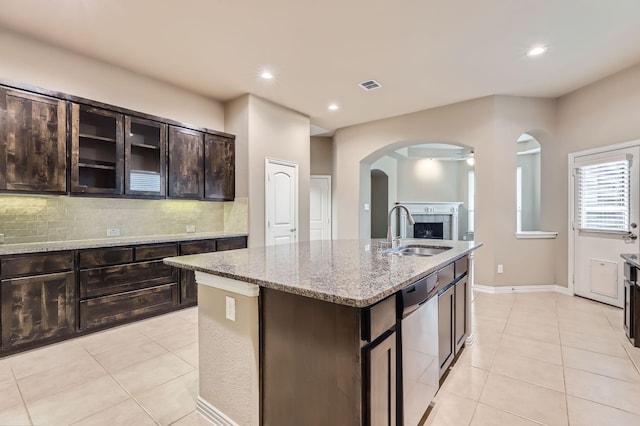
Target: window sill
536 235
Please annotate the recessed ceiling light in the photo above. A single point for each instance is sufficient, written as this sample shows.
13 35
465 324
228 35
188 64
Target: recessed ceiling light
333 107
537 50
266 75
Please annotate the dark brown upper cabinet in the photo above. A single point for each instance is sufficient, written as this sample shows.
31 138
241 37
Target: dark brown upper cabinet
145 162
33 149
97 151
186 163
220 171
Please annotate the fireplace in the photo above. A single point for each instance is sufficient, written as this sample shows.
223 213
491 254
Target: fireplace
436 220
434 230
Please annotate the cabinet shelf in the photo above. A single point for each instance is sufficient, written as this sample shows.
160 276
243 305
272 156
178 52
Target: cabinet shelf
92 164
97 138
143 145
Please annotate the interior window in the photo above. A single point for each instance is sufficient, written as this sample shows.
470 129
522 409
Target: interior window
528 184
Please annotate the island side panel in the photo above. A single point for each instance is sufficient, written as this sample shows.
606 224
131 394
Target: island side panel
229 356
311 361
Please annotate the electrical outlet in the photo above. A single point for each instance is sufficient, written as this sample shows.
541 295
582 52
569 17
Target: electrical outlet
231 308
113 232
366 207
191 228
500 269
1 238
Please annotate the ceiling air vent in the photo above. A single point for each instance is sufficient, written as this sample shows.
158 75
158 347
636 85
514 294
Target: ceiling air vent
369 85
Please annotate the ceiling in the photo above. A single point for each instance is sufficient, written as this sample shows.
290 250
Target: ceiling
425 53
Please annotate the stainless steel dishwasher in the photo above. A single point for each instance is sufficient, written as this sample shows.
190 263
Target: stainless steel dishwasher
419 334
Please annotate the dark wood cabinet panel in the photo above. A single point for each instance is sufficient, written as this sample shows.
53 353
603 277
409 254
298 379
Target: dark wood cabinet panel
381 392
446 309
325 364
145 157
156 251
122 307
117 279
35 264
186 163
33 147
231 243
92 258
460 323
197 247
37 308
220 172
97 151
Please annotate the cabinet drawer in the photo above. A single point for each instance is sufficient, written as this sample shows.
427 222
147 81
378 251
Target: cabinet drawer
231 243
117 279
379 318
461 266
102 311
105 256
446 275
154 252
36 264
195 247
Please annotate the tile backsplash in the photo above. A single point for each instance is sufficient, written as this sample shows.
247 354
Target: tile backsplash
32 219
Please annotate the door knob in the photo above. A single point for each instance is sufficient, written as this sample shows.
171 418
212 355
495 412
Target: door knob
294 230
630 237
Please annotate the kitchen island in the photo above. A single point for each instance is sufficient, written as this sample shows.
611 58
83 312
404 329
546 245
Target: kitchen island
306 333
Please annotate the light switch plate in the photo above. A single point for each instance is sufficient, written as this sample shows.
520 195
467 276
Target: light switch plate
366 207
231 308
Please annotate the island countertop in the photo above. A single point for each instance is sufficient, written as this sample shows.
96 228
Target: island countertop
346 272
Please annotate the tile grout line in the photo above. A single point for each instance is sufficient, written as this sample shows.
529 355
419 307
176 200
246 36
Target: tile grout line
24 403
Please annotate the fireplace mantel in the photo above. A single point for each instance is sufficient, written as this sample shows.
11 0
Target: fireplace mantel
422 210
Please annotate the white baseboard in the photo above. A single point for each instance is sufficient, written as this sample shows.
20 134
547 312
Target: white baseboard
522 289
212 414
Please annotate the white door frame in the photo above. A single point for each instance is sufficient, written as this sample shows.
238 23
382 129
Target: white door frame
571 218
328 179
267 162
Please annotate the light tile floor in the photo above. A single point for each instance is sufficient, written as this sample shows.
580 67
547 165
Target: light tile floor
542 358
538 358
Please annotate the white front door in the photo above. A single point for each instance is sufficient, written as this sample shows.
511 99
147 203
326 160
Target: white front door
320 208
281 202
604 217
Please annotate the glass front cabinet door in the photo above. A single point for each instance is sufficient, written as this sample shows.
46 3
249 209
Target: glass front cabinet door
145 157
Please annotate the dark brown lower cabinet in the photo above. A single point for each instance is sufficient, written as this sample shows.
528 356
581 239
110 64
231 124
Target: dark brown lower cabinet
37 308
107 310
381 391
117 293
446 319
326 364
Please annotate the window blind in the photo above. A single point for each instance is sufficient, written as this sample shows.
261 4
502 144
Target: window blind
604 196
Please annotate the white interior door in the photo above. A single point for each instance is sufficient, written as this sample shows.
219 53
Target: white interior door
604 215
281 202
320 208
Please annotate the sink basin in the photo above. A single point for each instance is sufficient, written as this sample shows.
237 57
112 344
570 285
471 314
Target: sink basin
417 250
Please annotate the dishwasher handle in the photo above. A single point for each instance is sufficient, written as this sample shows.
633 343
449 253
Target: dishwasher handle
418 293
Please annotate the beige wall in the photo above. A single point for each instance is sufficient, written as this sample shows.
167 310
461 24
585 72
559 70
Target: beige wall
27 61
489 125
267 130
321 152
601 114
429 180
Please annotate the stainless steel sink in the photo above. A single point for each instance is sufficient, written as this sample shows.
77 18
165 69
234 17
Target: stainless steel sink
417 250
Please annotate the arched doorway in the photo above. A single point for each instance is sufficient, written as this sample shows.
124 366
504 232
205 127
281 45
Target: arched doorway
379 203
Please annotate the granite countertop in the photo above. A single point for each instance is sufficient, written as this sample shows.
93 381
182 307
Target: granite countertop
6 249
346 272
